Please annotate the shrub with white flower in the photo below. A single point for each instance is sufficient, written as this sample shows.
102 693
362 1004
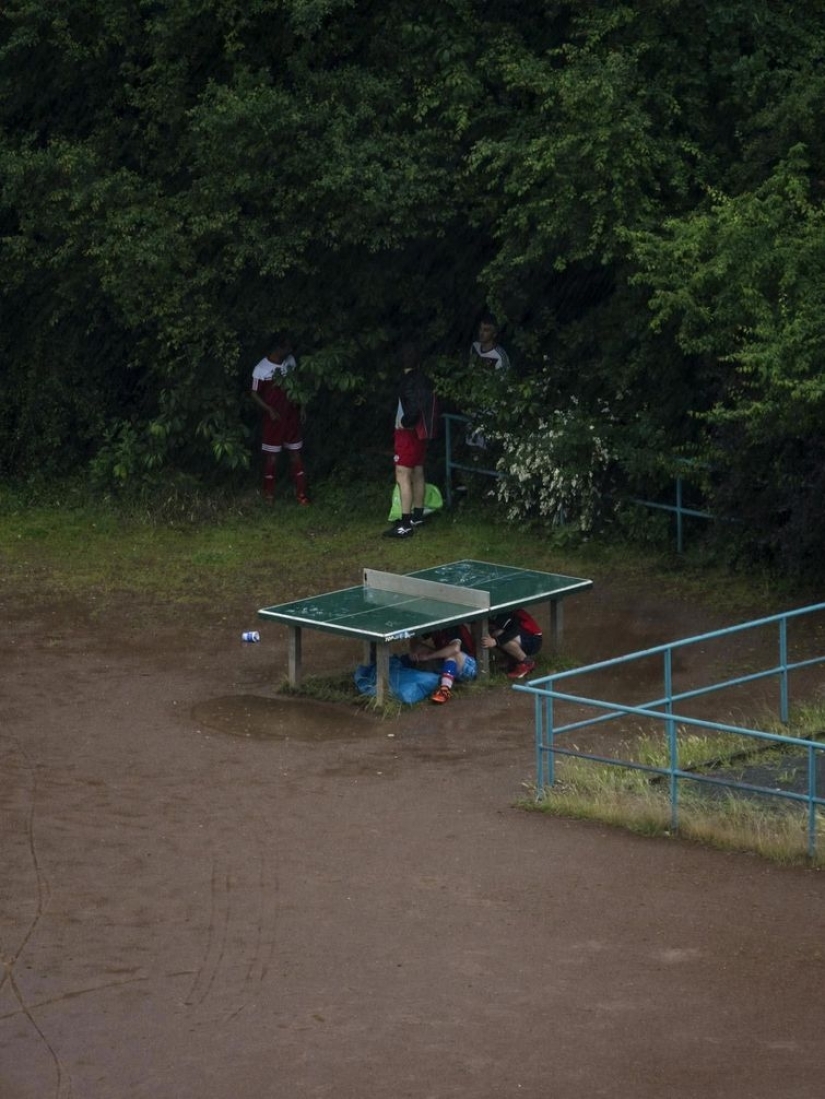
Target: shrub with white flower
555 471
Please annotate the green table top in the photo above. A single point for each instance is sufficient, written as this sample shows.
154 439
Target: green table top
377 615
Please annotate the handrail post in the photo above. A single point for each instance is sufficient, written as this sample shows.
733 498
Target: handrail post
546 756
784 710
811 802
448 459
679 539
671 739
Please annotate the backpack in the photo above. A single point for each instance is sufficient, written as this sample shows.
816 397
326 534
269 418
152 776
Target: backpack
430 419
527 623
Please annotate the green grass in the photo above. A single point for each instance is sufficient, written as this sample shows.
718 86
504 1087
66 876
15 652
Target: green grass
192 551
716 817
218 555
340 689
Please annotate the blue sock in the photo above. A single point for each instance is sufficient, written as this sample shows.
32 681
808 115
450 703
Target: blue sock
449 670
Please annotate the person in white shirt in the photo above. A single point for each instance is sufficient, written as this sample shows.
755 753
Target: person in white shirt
282 419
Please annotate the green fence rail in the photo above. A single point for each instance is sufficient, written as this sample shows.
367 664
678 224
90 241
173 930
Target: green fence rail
553 691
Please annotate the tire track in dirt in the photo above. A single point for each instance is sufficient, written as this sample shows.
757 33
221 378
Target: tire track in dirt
217 929
15 760
240 937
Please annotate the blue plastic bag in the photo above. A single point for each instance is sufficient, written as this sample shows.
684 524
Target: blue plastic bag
407 683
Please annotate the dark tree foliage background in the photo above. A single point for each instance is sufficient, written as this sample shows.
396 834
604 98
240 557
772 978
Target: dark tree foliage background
636 189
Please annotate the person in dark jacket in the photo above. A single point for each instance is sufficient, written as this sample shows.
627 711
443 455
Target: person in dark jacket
518 636
414 424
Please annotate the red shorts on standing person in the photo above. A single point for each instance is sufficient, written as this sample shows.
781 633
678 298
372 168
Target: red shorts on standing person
410 451
285 429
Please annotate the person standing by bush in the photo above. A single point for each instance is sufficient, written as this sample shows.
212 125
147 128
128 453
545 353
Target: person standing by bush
282 419
483 388
414 424
487 357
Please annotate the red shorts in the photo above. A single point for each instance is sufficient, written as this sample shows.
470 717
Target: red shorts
285 430
410 451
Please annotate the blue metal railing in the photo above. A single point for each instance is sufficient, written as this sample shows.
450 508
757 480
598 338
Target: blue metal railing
677 508
450 463
548 692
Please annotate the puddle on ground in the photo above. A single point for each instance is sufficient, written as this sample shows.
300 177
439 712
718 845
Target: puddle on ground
283 719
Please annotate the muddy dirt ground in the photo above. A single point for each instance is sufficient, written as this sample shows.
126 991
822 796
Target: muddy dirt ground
209 891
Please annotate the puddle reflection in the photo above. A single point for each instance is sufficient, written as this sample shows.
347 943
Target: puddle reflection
283 719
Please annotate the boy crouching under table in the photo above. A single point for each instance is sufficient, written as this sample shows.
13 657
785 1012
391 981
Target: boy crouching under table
518 636
451 652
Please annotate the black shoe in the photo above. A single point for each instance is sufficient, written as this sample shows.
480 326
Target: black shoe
402 530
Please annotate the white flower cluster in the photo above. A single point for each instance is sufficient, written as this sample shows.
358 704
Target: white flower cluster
555 472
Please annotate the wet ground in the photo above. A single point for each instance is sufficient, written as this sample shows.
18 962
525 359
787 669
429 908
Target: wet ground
209 890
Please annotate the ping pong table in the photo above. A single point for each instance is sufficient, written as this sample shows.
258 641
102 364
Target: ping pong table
389 607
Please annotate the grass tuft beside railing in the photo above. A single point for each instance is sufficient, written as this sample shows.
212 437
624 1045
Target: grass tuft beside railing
718 817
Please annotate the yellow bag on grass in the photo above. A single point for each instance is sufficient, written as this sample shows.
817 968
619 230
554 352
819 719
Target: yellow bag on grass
432 502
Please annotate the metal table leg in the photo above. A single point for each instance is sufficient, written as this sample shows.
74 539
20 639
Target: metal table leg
556 621
382 673
295 656
480 628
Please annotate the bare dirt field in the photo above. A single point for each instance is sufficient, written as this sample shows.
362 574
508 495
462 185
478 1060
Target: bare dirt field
209 891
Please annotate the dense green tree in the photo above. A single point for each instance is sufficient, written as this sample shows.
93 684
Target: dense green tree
662 242
635 188
235 168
